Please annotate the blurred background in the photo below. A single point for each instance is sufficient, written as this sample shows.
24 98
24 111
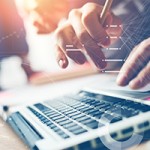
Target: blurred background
26 37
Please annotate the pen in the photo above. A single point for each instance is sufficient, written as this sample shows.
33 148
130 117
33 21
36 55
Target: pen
105 10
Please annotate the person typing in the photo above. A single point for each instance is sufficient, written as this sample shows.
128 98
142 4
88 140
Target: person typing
122 39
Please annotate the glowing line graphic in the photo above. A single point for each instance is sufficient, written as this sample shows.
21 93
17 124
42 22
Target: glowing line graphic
113 49
73 49
69 45
113 60
109 71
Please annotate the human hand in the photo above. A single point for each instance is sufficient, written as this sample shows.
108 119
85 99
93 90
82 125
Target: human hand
136 70
46 14
84 31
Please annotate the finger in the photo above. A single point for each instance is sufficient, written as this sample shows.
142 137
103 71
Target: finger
135 62
142 79
93 50
49 22
97 32
41 29
113 26
69 44
61 57
108 21
42 21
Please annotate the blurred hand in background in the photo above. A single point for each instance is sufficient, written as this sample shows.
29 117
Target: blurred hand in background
45 15
13 36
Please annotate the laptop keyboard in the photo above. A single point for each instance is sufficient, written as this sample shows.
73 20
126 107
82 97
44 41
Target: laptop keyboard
77 114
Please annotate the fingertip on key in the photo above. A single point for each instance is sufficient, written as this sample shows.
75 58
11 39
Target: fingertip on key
135 84
122 80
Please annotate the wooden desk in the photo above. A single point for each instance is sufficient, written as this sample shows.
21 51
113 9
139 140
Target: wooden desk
10 141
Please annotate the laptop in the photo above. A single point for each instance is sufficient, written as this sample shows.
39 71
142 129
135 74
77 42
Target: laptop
87 119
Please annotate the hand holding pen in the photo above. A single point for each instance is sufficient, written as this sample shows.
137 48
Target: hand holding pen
87 30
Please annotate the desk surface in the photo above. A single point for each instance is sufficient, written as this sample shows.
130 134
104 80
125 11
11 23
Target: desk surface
8 139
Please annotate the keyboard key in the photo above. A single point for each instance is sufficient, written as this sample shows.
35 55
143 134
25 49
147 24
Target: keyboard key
73 114
93 124
49 123
82 108
61 120
62 123
128 130
143 125
56 129
79 131
91 111
70 111
69 125
60 132
78 116
41 107
86 109
107 117
134 112
49 113
58 118
53 115
52 126
116 119
106 105
98 116
114 110
137 106
83 119
145 108
64 135
109 99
